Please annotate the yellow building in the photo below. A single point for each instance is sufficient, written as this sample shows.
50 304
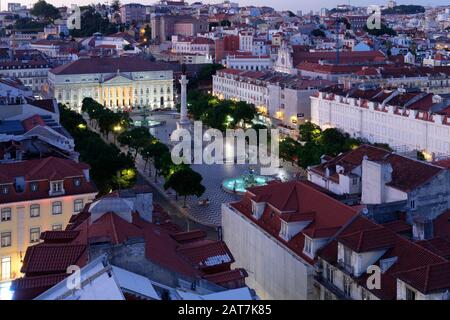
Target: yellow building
35 196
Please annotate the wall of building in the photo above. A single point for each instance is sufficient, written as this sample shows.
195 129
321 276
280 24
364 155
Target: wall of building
20 224
403 133
274 272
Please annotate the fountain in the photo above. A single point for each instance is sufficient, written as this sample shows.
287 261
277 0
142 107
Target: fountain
240 184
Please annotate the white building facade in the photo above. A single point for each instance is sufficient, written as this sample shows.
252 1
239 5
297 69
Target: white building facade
405 121
117 83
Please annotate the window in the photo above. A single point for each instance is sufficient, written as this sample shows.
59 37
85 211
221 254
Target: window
410 294
329 273
78 205
57 227
308 246
6 268
365 295
412 204
57 207
6 214
355 181
327 295
35 233
77 182
57 187
35 210
34 186
347 256
347 286
5 189
5 239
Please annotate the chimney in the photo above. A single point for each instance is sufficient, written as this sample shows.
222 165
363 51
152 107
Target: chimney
375 175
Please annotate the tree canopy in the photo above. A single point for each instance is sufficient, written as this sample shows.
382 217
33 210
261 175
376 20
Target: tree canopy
45 11
185 182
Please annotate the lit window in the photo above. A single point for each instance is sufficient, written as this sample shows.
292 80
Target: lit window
6 214
57 207
35 234
5 239
78 205
5 189
34 186
77 182
57 227
35 210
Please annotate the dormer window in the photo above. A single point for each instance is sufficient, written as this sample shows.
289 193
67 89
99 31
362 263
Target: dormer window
34 186
77 182
56 187
410 294
5 189
308 246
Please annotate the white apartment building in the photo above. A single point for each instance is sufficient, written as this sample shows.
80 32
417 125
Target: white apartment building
123 82
248 62
275 232
279 96
407 121
246 41
198 45
32 74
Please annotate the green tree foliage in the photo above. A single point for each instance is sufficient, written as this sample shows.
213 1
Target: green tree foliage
318 33
289 149
382 31
136 139
44 11
28 25
220 114
186 182
309 132
404 9
110 168
92 22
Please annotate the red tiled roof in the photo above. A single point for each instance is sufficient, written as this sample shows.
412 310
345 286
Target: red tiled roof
368 240
409 255
297 198
46 281
206 253
52 258
32 122
188 236
439 246
108 65
43 171
59 236
407 173
428 279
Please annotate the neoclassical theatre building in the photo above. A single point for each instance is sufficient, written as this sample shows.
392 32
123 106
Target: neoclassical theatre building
116 82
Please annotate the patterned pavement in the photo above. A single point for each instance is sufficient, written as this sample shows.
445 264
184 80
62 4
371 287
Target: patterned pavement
213 175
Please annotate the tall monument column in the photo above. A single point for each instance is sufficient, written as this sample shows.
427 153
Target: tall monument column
184 120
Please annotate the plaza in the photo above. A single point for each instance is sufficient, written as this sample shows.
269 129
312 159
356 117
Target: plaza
213 175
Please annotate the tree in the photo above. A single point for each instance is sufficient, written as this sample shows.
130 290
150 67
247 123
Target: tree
186 182
136 139
243 111
309 132
309 154
45 11
318 33
333 141
289 149
115 5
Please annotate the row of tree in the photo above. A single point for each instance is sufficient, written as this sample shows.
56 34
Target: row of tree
314 143
111 169
181 178
219 114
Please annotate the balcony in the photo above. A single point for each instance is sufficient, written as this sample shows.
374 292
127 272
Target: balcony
327 285
346 266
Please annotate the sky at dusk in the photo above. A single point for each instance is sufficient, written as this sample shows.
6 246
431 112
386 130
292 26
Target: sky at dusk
294 5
